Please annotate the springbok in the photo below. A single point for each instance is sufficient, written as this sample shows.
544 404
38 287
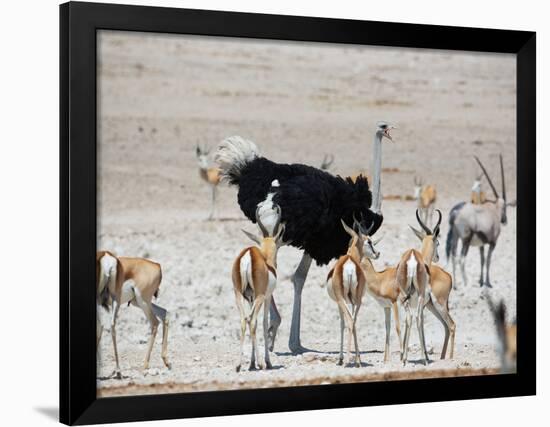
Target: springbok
477 225
210 175
413 280
441 284
506 335
134 281
254 277
382 286
346 286
425 196
328 160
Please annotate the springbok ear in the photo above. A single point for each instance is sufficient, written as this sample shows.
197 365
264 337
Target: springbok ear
375 242
252 237
280 232
279 238
418 233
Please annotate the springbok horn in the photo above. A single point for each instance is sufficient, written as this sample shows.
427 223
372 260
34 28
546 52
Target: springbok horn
426 229
357 225
486 176
262 228
279 233
349 230
436 228
360 226
502 177
278 222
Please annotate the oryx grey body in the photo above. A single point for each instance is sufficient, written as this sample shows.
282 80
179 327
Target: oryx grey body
477 225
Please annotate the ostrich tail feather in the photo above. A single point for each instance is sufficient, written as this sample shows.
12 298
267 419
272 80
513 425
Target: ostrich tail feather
232 155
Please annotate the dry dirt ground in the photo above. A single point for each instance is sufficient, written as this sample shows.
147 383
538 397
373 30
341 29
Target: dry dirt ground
160 95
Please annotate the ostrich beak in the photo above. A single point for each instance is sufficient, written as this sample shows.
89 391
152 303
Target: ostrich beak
387 132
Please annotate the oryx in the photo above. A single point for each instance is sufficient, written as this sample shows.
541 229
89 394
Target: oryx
477 225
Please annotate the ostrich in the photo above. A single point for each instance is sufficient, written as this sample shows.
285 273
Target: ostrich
313 203
477 225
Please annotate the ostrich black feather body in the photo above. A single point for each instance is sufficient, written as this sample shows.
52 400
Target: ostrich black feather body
312 202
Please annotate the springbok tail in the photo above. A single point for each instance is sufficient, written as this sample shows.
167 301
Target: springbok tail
105 298
107 277
232 155
412 266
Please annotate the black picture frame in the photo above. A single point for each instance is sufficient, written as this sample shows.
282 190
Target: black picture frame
78 25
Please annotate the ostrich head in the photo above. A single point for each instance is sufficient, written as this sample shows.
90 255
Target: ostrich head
383 130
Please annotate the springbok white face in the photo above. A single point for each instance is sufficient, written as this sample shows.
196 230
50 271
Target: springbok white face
417 187
426 233
202 157
476 188
383 130
369 249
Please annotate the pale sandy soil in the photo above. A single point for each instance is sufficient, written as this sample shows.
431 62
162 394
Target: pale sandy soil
160 95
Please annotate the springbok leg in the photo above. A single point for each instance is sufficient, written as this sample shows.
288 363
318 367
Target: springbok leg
387 318
162 314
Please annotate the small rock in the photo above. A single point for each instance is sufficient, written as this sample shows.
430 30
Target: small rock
197 358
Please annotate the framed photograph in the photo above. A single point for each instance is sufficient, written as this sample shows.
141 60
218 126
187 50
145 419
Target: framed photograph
300 212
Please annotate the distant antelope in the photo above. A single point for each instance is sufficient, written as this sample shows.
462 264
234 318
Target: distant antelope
441 284
425 196
134 281
506 335
413 279
346 286
210 175
478 197
477 225
254 277
328 160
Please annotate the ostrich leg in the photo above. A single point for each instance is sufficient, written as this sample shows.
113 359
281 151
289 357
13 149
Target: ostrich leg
274 323
298 279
